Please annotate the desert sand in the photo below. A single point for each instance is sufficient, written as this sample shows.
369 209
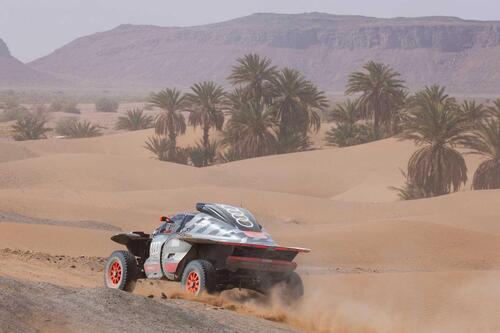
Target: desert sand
377 264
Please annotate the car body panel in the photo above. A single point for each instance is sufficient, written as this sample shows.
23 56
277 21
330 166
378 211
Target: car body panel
229 236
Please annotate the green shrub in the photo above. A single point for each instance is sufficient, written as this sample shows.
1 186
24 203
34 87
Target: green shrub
84 129
12 109
106 105
13 114
292 142
165 150
347 134
64 126
64 105
410 190
198 152
73 128
134 120
229 155
31 126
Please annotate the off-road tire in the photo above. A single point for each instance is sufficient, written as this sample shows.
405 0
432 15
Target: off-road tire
121 271
291 289
199 277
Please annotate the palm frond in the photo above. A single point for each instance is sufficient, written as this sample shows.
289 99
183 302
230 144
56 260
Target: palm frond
31 126
251 130
134 120
486 142
170 120
253 73
380 89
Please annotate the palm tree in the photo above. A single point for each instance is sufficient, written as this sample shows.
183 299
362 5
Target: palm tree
207 101
134 120
170 121
475 113
486 142
238 98
348 112
254 74
380 89
398 110
494 110
251 130
433 121
296 103
346 132
31 126
343 135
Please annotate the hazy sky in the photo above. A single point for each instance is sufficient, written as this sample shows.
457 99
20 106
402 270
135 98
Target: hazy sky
33 28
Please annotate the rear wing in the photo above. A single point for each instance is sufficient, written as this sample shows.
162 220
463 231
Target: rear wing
252 245
137 242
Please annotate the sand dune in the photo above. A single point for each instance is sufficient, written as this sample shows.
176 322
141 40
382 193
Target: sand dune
335 201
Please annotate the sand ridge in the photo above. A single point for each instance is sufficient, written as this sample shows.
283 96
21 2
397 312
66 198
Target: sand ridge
335 201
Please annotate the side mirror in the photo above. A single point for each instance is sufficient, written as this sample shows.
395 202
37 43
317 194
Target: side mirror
165 219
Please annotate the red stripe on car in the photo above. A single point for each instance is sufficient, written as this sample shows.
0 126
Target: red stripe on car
262 260
171 267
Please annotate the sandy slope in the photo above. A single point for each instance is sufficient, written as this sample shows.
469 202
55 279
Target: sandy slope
335 201
31 307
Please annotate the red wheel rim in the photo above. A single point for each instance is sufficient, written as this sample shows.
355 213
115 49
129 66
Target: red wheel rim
193 283
115 273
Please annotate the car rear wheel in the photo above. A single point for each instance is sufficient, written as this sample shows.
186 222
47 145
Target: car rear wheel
198 277
121 271
291 289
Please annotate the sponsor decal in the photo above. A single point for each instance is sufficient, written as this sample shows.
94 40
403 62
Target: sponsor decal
239 216
154 250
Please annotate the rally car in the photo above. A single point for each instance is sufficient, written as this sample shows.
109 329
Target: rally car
217 248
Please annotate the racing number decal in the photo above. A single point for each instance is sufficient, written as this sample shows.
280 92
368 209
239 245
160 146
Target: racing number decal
239 216
154 250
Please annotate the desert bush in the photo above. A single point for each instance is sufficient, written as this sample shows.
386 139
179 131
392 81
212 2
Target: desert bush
344 135
64 105
106 105
13 114
410 190
229 155
64 125
134 120
200 156
31 126
165 150
293 142
12 109
73 128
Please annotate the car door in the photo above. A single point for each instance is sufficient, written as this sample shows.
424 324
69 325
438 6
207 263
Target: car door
167 230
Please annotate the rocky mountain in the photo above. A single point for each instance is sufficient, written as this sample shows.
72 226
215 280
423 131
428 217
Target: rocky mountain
463 55
15 74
